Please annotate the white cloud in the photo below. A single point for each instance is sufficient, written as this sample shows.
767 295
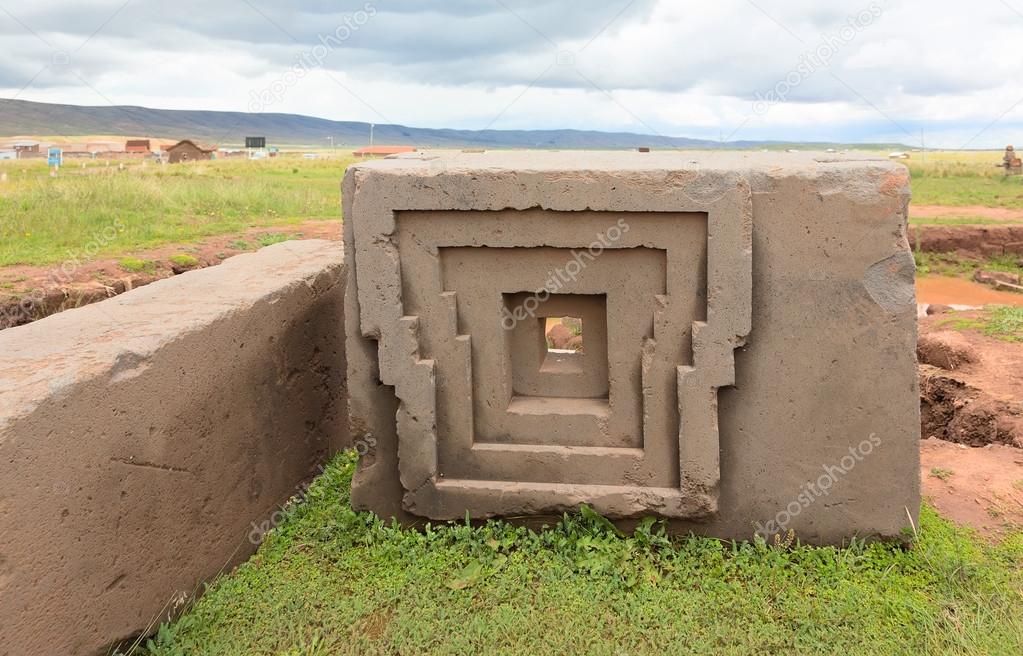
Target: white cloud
677 68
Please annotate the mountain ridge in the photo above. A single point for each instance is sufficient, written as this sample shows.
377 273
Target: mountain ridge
25 117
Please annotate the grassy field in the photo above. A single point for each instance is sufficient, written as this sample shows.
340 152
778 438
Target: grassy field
963 178
954 220
331 581
103 210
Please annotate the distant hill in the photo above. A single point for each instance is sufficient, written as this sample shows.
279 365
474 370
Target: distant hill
22 117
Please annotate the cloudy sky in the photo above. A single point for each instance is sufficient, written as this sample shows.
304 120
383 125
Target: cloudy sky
945 71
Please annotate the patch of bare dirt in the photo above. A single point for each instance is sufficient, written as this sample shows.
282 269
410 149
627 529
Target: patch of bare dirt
948 211
29 293
971 421
977 487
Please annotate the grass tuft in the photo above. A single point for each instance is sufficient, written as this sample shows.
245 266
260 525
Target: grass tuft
1005 322
135 265
271 238
184 261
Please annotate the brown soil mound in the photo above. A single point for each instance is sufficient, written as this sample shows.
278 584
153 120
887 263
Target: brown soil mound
954 411
946 350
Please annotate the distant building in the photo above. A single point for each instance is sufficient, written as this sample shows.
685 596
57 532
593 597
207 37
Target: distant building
138 147
8 154
189 151
26 148
382 151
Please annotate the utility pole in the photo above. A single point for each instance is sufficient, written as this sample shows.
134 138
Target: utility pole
371 126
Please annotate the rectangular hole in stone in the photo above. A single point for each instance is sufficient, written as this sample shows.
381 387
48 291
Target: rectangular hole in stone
564 334
559 348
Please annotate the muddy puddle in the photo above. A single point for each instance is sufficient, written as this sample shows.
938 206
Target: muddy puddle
940 290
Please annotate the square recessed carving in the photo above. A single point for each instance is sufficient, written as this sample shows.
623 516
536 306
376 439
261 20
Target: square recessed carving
491 420
538 369
613 416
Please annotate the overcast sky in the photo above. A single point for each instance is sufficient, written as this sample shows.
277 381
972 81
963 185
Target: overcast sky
859 70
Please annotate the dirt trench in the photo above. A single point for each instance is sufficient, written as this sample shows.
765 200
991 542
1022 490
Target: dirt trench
976 242
30 293
971 384
955 411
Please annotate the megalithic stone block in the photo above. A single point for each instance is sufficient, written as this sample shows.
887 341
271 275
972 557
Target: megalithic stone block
748 360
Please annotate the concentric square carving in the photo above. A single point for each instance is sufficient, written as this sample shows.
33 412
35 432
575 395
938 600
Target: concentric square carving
455 289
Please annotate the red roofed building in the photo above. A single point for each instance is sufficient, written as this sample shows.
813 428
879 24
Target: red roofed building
138 146
382 151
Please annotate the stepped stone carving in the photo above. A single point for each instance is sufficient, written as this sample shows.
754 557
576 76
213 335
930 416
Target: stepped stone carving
458 261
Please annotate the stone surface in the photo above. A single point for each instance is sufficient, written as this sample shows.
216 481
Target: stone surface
758 316
146 440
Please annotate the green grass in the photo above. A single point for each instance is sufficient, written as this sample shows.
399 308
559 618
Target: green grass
1002 322
967 190
954 220
100 210
963 178
135 265
1006 321
185 261
331 581
951 264
272 238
